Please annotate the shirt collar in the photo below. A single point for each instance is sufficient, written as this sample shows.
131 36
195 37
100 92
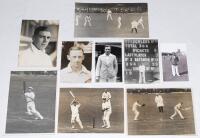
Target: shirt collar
83 69
35 50
106 55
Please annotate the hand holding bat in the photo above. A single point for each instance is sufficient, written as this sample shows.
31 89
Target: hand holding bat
143 105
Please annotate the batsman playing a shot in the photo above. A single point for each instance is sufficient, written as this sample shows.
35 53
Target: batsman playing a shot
135 109
107 110
177 109
75 113
30 97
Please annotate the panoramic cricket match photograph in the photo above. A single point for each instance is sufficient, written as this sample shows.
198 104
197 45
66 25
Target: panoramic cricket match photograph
31 102
91 110
111 20
160 111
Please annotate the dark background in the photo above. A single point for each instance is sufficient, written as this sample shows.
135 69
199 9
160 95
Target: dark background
87 62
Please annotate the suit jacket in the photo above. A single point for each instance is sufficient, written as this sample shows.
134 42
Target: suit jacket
107 66
174 60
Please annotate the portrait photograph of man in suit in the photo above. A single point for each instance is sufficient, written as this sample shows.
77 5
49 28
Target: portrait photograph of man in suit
108 62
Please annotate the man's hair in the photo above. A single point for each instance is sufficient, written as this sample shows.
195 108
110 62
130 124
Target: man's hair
75 102
75 48
82 42
107 46
40 28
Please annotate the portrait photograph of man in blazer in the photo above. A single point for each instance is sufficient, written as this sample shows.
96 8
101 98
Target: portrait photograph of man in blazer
108 62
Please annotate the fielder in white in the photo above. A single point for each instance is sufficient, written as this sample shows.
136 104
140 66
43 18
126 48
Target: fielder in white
119 19
109 15
106 95
159 102
77 19
107 110
87 20
30 100
140 22
75 113
135 109
135 24
177 109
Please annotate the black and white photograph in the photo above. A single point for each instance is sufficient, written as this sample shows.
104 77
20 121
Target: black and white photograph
174 62
31 102
111 20
160 111
91 110
38 40
141 61
108 59
76 62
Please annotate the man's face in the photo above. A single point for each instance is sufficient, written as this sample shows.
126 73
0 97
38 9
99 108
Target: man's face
76 58
107 50
42 39
29 90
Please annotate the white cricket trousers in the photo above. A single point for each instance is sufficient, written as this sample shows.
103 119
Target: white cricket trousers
77 119
142 78
31 109
175 70
106 118
136 114
109 16
176 111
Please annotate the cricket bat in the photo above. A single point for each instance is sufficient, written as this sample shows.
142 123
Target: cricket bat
71 93
187 108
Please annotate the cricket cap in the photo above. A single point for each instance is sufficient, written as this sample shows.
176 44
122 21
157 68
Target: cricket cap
30 88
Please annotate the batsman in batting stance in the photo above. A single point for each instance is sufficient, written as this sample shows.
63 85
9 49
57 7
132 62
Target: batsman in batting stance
177 110
75 105
30 100
107 110
135 109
